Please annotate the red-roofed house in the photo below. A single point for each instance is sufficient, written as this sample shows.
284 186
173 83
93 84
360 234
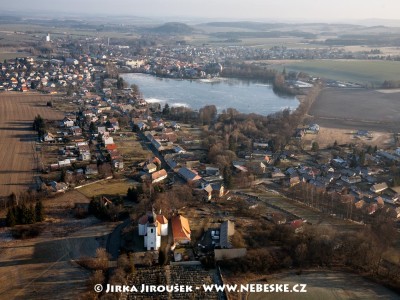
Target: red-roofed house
159 176
180 230
111 147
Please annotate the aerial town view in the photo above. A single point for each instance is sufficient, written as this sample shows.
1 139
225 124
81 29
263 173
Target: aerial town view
200 150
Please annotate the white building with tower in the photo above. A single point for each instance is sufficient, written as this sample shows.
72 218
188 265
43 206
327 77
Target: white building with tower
48 37
152 227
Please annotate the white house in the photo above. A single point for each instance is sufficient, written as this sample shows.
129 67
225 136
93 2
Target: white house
48 137
59 187
108 140
379 187
151 168
67 122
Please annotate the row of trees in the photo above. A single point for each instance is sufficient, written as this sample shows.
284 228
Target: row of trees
102 209
342 205
39 125
22 214
361 251
134 194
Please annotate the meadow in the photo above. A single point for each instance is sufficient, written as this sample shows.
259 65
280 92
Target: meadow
366 72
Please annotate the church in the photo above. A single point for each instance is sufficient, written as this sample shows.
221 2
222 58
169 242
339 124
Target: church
153 226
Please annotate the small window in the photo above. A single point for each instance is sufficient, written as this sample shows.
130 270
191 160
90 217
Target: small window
151 230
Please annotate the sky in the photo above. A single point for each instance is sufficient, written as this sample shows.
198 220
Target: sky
312 10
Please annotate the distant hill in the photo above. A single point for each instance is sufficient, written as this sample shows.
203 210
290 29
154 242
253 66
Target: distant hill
244 25
172 28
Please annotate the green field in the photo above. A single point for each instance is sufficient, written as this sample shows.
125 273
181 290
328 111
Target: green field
359 71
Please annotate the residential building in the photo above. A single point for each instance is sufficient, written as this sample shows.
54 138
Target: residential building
180 230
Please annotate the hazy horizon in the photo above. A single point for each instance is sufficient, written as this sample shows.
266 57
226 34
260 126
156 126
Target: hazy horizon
289 10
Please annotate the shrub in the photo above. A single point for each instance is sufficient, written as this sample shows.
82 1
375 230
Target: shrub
26 231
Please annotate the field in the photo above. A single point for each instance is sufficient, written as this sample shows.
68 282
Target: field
112 187
12 55
357 109
45 267
17 147
358 71
131 148
328 285
309 214
327 136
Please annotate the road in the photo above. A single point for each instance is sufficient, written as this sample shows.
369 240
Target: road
114 239
174 177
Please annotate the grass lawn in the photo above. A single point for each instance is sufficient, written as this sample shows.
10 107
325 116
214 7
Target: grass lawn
111 187
360 71
131 148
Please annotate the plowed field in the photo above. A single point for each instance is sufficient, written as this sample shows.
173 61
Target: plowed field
17 139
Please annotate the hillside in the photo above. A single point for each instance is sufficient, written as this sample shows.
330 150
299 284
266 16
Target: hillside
172 28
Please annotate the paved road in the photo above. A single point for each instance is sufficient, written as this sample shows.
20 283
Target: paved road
114 239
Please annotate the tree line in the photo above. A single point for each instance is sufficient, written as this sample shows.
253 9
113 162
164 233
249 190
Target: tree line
22 214
362 251
39 125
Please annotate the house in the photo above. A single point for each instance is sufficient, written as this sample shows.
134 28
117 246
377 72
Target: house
179 149
118 164
159 176
351 179
208 192
111 147
142 126
152 227
108 140
49 138
313 129
58 187
256 167
379 187
92 169
292 181
188 175
297 225
227 230
76 130
151 168
239 166
381 201
67 122
180 230
277 173
156 161
85 156
372 208
397 212
359 204
64 163
101 129
218 190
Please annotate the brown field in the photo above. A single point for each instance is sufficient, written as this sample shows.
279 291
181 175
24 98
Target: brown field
17 146
357 109
327 137
329 285
45 267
